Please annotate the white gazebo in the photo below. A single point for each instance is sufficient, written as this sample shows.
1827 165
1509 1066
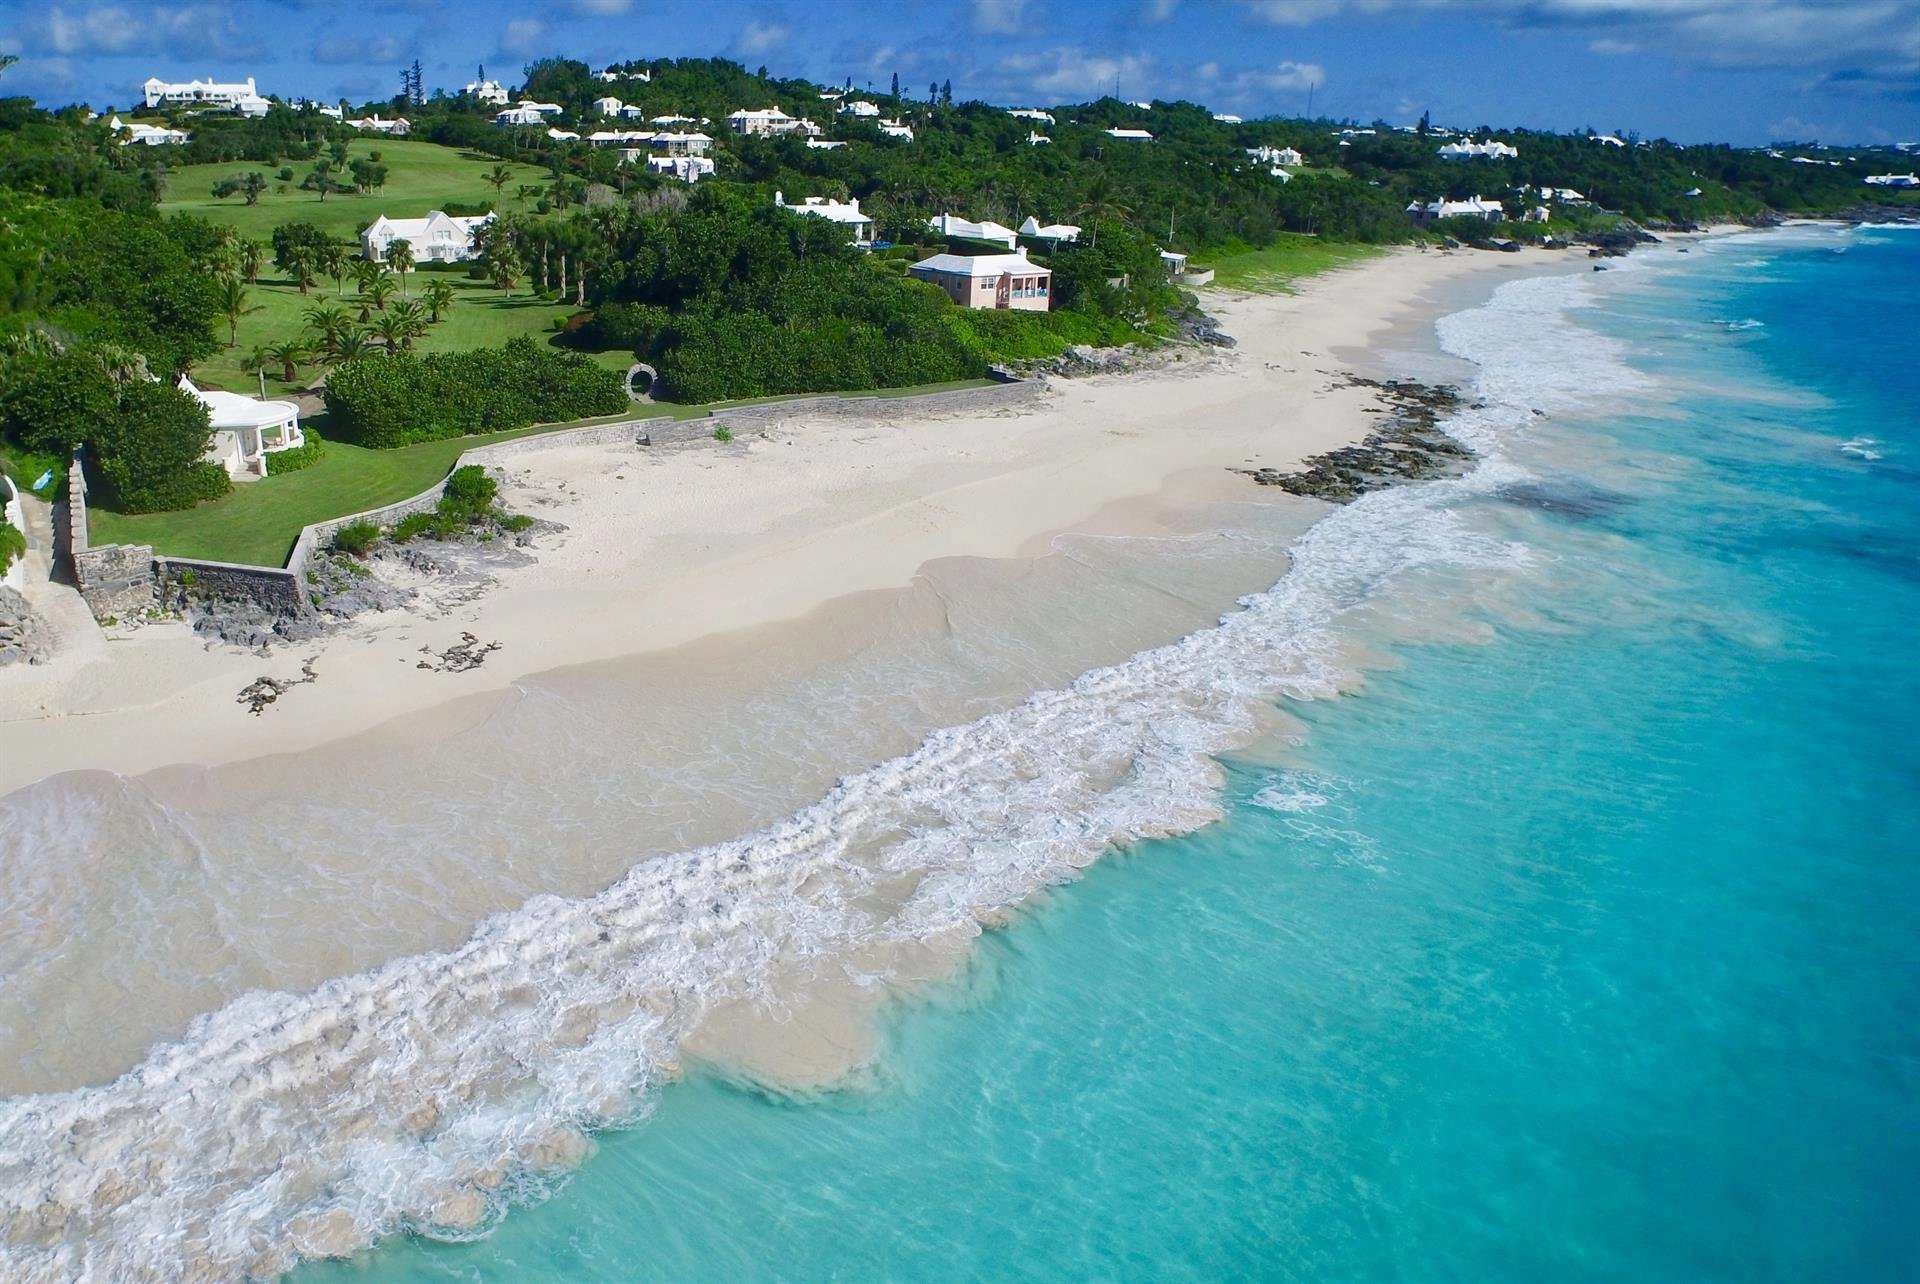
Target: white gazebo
245 429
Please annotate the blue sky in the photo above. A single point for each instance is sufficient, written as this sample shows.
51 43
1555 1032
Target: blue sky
1745 71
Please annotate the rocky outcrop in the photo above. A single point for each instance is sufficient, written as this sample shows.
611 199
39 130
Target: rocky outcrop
23 638
1613 242
1410 446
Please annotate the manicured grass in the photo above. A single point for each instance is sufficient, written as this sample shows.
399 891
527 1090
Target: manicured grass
1273 270
420 177
481 317
258 522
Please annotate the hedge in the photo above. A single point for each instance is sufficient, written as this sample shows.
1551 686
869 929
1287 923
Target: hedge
305 455
386 401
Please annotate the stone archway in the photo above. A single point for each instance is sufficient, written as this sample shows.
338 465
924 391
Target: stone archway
649 379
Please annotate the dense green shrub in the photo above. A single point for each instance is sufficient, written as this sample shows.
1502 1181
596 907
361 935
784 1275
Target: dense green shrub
305 455
356 538
416 525
53 402
384 401
468 493
148 456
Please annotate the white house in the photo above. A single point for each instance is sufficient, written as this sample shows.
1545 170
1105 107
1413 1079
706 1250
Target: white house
767 120
610 75
1137 135
1031 113
675 144
1174 262
545 109
246 430
1563 195
437 238
688 169
562 135
398 127
1491 150
520 115
1058 233
862 108
995 281
667 122
846 213
1276 156
149 135
1035 138
609 106
157 92
895 129
1608 140
491 92
1228 118
824 144
1491 211
968 230
252 105
1892 180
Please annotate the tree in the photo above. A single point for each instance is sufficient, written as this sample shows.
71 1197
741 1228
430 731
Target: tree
53 401
332 260
368 174
896 84
248 257
148 455
946 94
375 294
933 90
231 295
439 299
249 185
499 176
329 321
303 266
351 344
320 180
400 259
290 237
392 330
413 319
366 272
287 354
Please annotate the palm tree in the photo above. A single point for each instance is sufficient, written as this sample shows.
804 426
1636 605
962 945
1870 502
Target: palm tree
439 297
287 353
230 297
1100 202
526 192
500 177
300 263
349 344
329 321
367 271
503 267
332 260
250 257
400 259
375 294
414 317
393 331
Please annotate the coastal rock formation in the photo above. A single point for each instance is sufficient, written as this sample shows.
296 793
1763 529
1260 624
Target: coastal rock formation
22 639
1410 447
1614 242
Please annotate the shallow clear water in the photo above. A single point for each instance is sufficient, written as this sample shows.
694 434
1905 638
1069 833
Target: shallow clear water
1582 943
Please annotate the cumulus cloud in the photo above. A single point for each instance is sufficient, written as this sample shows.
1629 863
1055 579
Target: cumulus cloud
522 36
69 31
1002 17
760 37
1289 75
1068 72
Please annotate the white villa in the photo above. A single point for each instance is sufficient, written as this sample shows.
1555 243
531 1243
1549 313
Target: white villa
1035 138
1477 207
823 144
1490 149
674 144
150 135
609 106
1276 156
1228 118
562 135
895 129
767 120
688 169
862 108
519 116
1892 180
1139 135
1031 113
253 105
157 92
846 213
995 281
1058 233
1564 195
246 430
491 92
967 230
670 143
1608 139
665 121
398 127
610 75
437 238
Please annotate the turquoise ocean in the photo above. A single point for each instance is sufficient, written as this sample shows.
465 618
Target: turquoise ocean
1579 941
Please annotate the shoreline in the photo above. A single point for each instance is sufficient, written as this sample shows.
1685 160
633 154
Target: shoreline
666 546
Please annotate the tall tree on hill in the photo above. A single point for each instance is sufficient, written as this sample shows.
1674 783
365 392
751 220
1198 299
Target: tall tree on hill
230 296
439 298
946 94
249 258
498 177
400 259
896 84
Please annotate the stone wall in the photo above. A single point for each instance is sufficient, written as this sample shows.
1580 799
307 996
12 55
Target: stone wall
115 580
277 590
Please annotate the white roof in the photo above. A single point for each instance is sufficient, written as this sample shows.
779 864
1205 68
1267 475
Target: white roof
231 410
1129 133
979 265
1228 118
967 229
407 229
826 207
1049 231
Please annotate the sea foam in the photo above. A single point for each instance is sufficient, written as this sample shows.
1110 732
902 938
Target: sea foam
433 1092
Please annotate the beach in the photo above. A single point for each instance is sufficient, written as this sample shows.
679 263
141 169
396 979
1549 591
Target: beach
667 546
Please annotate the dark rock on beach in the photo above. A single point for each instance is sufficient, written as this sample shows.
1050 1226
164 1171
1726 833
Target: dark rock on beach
1410 446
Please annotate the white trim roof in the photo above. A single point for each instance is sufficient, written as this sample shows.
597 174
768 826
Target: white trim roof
981 265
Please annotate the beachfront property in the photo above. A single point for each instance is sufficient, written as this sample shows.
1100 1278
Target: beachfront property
1276 156
438 238
762 122
951 225
1475 207
1135 135
1902 181
148 135
992 281
688 169
1058 233
491 92
1469 150
246 430
397 127
847 214
897 129
200 93
1031 113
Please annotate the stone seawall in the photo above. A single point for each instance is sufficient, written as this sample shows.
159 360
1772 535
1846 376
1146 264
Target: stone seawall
120 579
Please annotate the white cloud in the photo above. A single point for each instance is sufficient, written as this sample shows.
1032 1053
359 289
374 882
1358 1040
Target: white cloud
1608 45
1068 72
601 8
522 36
1289 75
760 37
1158 11
339 50
1002 17
108 30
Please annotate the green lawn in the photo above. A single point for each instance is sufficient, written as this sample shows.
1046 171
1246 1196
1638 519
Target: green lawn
482 317
420 177
257 522
1273 270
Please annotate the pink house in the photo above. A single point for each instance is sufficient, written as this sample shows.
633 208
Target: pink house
989 280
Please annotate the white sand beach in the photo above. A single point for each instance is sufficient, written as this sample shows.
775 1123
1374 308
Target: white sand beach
671 544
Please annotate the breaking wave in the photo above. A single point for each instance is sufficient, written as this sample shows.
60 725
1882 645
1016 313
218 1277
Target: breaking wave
433 1093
